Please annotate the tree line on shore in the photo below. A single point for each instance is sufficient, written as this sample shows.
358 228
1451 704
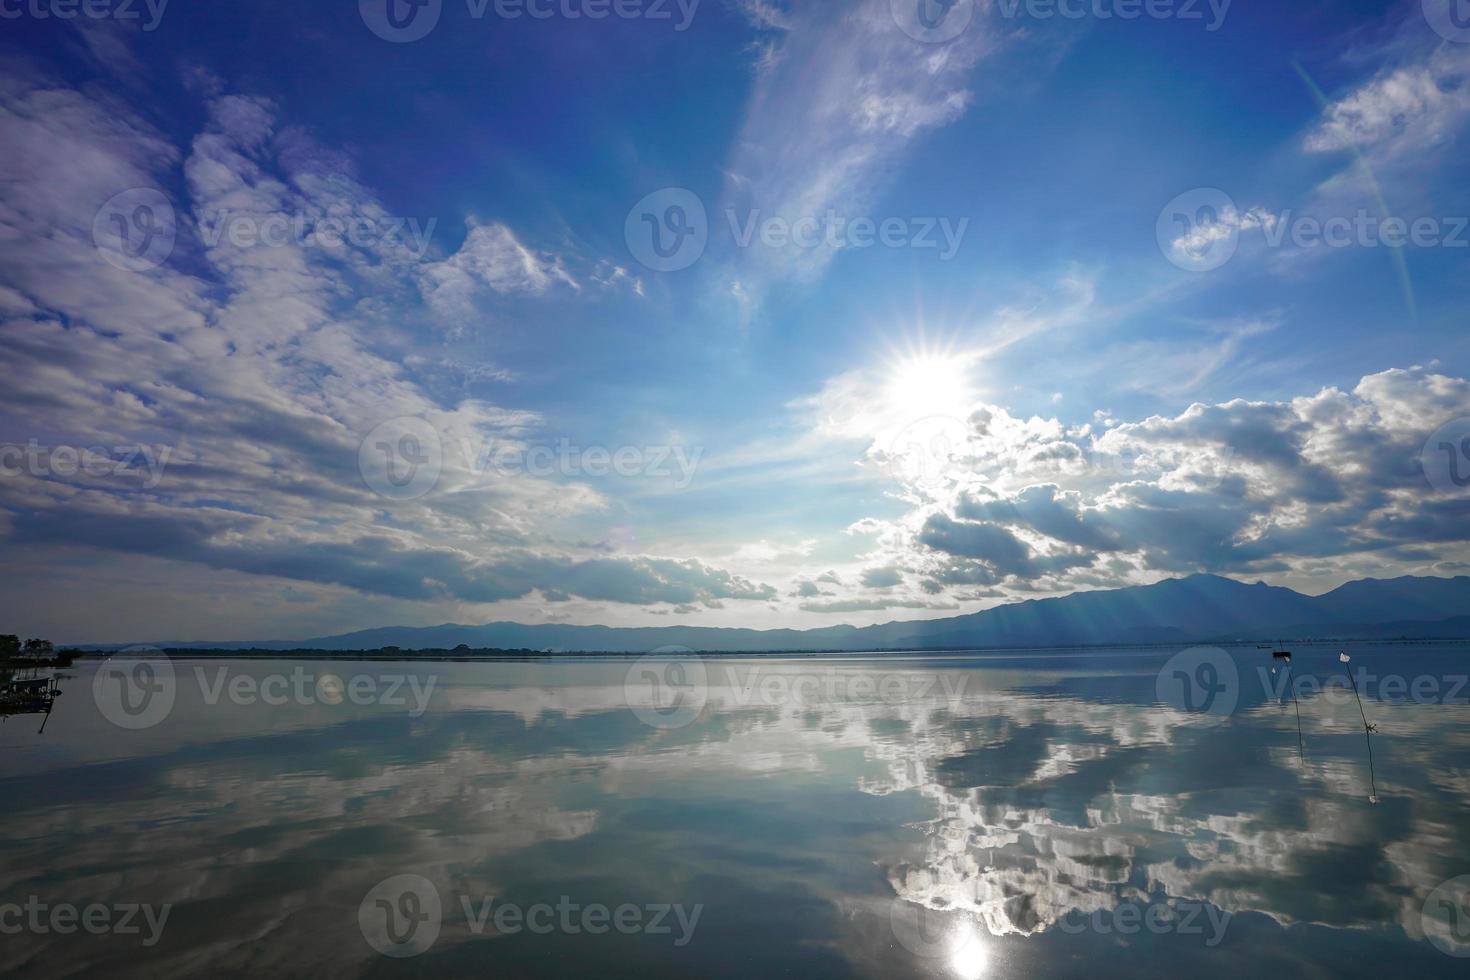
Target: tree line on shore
11 646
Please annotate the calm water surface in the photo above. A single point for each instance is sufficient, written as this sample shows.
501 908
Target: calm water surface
1043 815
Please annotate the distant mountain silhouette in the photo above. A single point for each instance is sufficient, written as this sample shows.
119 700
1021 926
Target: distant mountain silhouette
1196 608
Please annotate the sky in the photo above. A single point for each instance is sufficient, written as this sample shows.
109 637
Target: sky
320 317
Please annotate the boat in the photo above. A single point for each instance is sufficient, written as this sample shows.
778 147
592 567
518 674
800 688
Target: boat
29 695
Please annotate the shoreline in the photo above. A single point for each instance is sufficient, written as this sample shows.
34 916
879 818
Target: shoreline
492 655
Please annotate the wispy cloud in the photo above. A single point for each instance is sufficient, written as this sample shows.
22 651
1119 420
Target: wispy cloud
842 99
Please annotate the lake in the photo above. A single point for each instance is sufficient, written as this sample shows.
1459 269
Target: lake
1052 814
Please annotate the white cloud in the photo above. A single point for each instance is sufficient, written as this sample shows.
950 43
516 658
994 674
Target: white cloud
1404 110
1240 487
840 99
491 257
257 369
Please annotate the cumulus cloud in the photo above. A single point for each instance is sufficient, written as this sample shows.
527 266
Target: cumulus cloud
1240 487
252 371
882 578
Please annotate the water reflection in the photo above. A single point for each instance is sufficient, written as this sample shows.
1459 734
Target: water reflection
951 816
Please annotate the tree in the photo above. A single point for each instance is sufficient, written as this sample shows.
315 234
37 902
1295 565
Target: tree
9 645
38 648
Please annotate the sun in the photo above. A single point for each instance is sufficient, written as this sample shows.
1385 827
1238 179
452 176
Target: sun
928 384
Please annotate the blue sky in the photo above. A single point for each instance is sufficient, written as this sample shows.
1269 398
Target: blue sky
1099 344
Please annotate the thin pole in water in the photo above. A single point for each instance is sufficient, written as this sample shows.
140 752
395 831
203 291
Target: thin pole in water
1300 745
1367 728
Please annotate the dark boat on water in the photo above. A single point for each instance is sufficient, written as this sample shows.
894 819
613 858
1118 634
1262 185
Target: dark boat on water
28 695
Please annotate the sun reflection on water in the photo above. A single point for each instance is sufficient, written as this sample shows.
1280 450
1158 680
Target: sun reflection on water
969 959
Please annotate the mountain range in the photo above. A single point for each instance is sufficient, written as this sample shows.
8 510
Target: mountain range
1198 608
